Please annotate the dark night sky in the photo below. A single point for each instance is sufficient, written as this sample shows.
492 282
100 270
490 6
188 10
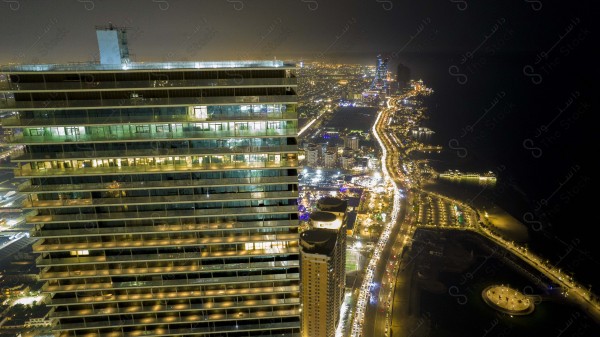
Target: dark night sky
50 31
344 30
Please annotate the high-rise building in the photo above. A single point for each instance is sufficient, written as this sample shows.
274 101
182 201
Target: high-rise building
403 76
164 194
380 82
318 259
333 205
330 159
312 155
347 161
337 207
323 271
352 142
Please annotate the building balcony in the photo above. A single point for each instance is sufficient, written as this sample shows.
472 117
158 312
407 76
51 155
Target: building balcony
147 325
144 102
42 261
90 276
147 136
163 200
183 309
26 172
160 332
153 153
146 185
291 278
155 84
119 243
163 228
156 215
242 308
154 67
19 122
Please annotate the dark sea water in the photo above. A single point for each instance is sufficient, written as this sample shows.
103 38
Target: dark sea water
459 310
536 137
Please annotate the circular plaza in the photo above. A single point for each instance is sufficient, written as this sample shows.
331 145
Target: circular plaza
507 300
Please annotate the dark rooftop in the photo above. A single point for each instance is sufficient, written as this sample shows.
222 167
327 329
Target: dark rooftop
318 241
332 204
322 216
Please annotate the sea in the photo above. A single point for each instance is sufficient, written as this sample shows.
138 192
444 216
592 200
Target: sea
447 292
537 138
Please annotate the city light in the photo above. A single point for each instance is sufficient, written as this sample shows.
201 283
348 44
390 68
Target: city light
29 300
278 198
365 289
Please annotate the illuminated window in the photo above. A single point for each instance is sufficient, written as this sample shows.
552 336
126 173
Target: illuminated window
80 252
36 132
266 245
73 131
142 129
200 112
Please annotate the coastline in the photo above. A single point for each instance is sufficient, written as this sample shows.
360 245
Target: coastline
417 304
481 198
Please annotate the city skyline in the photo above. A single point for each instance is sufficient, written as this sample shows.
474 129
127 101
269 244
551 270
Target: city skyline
430 120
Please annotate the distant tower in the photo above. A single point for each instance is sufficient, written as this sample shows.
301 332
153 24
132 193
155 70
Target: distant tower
112 42
352 142
403 76
347 161
380 81
312 155
330 159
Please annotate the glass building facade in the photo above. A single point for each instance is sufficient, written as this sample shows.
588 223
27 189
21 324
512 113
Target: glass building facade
165 195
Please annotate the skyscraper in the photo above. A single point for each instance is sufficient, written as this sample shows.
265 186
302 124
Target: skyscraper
323 268
380 82
403 76
318 255
165 193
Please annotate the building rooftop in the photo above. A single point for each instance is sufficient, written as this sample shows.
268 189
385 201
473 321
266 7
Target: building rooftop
323 216
78 67
318 241
332 204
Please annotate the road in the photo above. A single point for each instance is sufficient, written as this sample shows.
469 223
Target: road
442 212
372 309
377 310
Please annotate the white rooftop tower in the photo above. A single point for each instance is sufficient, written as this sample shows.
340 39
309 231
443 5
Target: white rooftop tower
112 42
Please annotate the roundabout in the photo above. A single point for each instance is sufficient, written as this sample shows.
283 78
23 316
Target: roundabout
507 300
